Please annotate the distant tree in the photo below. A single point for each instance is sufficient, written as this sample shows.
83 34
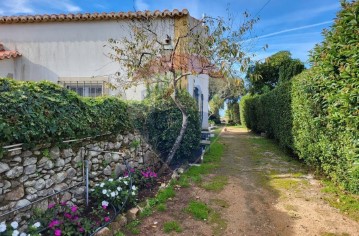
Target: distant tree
280 67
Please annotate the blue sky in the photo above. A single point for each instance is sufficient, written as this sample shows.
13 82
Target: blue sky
293 25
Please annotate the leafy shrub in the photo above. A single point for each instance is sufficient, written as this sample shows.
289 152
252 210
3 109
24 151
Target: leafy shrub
33 112
158 118
117 191
316 114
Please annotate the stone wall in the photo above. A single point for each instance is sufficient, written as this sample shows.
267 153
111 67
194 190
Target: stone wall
27 176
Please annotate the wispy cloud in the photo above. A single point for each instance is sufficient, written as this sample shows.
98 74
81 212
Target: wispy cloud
295 29
141 5
14 7
71 7
17 6
301 15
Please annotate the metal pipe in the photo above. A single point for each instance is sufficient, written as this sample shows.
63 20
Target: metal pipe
38 200
87 182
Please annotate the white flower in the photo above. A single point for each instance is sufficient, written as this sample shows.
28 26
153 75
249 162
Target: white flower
104 203
116 193
14 224
119 189
113 194
2 227
15 232
23 234
110 180
125 182
133 193
104 191
119 178
102 184
92 190
37 225
134 188
96 184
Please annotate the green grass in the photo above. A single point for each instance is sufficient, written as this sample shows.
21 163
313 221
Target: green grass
183 181
216 184
345 202
161 207
145 212
164 194
211 160
220 202
133 227
198 209
172 226
219 225
119 234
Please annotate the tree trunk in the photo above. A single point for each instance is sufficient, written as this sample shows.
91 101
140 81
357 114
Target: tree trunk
179 138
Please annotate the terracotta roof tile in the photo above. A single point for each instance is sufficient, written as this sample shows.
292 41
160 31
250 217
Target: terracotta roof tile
7 54
90 16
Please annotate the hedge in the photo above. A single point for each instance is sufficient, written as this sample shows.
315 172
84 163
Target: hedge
158 118
316 114
35 112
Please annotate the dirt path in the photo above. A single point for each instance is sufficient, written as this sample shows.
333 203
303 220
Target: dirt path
267 194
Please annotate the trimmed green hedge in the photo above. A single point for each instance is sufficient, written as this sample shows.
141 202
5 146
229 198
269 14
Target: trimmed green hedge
35 112
316 114
270 113
160 121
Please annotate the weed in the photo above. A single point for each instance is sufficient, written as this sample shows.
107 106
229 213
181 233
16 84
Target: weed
345 202
172 226
135 143
133 227
119 234
219 224
198 209
162 207
220 202
164 194
147 211
217 183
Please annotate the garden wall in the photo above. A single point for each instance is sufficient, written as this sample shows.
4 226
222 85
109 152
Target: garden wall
29 175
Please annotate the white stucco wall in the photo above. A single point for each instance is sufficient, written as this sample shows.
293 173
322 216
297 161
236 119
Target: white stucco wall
72 49
6 67
201 82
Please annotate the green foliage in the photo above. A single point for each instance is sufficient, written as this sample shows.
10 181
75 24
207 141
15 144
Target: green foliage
34 112
133 227
172 226
278 68
198 209
164 194
316 113
347 203
160 120
216 184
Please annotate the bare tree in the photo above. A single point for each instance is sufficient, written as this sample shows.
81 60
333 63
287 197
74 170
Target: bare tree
208 46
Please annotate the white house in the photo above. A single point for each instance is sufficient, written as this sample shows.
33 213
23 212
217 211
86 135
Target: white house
69 49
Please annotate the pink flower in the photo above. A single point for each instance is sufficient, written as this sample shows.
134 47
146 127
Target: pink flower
54 223
75 218
104 207
132 170
63 203
81 229
51 205
58 232
107 219
68 215
74 208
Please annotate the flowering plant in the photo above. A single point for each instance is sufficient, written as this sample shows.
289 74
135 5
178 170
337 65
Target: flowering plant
66 219
117 191
144 178
13 230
